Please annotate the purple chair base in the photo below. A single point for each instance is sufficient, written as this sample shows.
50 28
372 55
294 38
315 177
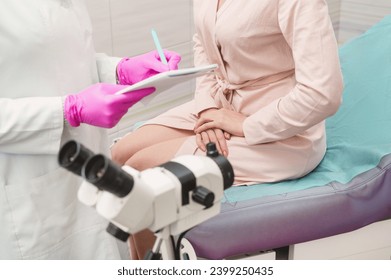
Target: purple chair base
280 220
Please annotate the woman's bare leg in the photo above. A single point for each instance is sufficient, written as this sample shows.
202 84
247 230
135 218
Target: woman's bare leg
132 248
142 138
140 243
156 154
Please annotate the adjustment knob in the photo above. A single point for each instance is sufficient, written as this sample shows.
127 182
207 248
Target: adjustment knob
203 196
117 232
211 150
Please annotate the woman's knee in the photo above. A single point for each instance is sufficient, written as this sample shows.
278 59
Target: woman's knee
128 145
141 161
143 138
155 155
119 155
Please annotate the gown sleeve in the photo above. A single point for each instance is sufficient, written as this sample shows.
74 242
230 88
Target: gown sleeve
204 84
107 67
306 27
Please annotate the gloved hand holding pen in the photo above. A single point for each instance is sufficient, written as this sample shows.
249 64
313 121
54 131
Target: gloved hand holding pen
135 69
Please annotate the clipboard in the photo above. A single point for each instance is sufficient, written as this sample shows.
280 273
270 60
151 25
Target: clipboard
166 80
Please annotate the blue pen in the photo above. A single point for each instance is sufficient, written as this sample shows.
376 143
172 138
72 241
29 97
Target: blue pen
159 47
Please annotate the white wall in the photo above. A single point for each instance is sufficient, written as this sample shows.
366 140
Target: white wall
357 16
353 17
335 13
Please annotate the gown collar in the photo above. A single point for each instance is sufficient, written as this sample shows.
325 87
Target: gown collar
211 18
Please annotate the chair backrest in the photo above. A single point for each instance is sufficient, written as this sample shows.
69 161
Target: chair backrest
366 110
360 131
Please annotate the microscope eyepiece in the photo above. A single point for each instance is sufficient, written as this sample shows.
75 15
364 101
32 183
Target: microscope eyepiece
73 155
106 175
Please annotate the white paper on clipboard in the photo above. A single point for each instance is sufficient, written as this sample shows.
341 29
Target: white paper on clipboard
167 80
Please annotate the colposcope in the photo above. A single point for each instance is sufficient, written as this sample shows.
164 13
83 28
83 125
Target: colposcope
168 199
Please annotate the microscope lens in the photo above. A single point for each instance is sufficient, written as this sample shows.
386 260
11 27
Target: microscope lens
73 155
106 175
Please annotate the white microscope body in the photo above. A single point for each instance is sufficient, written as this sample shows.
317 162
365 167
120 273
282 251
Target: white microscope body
168 199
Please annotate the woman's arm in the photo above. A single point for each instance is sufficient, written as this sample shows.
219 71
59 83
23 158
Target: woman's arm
306 26
205 83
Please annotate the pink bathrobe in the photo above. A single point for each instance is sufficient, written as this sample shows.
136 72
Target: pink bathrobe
278 65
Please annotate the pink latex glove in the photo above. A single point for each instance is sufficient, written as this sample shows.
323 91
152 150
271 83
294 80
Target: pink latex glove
131 70
98 106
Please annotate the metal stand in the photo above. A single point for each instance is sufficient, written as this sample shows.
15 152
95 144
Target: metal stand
163 249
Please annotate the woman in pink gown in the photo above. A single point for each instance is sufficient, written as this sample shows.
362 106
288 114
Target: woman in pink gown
265 106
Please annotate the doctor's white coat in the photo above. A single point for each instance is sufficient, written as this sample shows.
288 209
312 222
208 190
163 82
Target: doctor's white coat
46 52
